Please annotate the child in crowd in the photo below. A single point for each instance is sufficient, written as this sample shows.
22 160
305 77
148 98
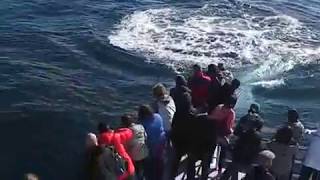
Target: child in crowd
262 170
296 125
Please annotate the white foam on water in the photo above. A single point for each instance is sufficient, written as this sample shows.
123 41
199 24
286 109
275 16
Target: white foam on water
179 37
269 84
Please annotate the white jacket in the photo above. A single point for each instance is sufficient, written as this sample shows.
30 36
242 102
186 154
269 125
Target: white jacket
166 109
312 158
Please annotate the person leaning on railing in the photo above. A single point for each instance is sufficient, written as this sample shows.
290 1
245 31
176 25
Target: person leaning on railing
311 163
224 117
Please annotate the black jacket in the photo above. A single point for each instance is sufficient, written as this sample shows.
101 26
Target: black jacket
247 147
182 117
251 121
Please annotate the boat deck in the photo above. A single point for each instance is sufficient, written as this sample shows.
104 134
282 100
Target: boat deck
214 173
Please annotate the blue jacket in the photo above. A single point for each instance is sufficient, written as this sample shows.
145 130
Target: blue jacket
155 133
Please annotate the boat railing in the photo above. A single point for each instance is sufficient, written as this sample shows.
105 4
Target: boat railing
297 164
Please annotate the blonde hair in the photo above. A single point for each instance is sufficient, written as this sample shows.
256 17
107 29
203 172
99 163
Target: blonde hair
159 90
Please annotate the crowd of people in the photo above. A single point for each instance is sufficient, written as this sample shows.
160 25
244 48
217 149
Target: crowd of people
192 119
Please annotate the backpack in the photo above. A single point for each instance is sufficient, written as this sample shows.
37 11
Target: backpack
119 162
105 164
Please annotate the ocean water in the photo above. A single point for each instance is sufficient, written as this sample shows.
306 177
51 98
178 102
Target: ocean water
66 65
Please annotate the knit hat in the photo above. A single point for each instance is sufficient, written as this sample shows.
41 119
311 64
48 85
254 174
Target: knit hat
255 108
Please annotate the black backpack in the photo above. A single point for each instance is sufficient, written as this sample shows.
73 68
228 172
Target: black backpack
119 162
107 164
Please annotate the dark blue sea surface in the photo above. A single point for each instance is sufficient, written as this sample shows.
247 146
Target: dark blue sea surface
66 65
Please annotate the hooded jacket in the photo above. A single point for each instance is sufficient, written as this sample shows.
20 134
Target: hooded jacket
181 95
184 111
165 106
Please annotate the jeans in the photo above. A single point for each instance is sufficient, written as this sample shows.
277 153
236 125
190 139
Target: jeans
307 172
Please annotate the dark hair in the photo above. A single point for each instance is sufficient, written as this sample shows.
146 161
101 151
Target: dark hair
293 115
221 66
231 101
284 135
145 111
196 67
127 119
213 69
103 127
235 83
181 81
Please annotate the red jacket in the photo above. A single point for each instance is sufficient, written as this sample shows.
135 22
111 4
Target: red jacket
118 138
199 84
224 118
